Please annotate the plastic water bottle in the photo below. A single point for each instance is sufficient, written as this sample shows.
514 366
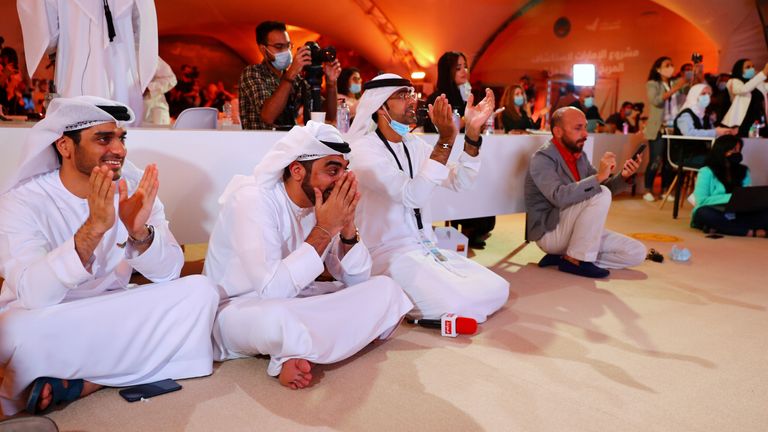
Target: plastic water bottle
625 128
754 130
227 109
680 254
457 119
490 125
342 116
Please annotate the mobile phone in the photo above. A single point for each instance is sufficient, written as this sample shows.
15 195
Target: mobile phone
639 151
146 391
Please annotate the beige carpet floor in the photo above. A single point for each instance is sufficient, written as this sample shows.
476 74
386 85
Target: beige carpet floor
662 347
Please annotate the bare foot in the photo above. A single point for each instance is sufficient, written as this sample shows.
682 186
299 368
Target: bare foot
296 373
46 396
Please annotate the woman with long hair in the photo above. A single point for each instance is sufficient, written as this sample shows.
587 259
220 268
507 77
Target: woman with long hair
660 89
723 172
453 82
517 111
748 95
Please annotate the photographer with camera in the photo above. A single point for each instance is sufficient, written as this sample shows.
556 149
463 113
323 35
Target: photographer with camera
272 91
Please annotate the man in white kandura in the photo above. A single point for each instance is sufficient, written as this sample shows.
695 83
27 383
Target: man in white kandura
76 219
105 48
275 232
398 173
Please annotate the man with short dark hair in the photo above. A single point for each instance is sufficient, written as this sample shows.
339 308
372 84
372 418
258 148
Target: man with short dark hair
71 233
276 231
567 202
272 92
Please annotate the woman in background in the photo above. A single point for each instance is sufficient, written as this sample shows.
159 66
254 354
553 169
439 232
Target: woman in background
453 82
350 88
747 90
517 111
722 173
660 89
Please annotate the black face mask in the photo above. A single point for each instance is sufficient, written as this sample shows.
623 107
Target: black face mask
735 158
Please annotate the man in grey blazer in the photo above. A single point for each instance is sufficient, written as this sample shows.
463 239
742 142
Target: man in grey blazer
567 202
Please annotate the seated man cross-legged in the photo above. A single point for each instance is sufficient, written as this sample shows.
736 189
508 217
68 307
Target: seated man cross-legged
399 174
567 202
71 234
276 232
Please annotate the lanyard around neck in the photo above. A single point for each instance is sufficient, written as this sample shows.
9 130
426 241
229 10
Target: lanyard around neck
416 212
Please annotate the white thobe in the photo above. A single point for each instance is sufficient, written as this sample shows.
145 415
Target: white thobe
258 256
87 63
63 320
156 107
387 223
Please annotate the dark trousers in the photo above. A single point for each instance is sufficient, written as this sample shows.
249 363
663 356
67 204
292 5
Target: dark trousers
711 218
476 228
657 159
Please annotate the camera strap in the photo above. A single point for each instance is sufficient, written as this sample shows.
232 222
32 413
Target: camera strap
416 212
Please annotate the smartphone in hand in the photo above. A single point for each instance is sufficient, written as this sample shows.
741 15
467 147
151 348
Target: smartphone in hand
639 151
146 391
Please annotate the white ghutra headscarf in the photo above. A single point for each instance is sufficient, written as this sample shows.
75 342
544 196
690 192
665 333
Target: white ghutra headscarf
64 115
377 91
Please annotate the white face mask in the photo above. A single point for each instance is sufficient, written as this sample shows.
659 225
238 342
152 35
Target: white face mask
282 60
465 90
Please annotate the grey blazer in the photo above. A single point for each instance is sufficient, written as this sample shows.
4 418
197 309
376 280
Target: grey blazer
655 91
550 186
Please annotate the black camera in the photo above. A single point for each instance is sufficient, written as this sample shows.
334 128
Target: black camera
697 58
422 112
320 55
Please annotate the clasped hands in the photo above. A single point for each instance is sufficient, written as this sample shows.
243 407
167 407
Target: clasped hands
337 213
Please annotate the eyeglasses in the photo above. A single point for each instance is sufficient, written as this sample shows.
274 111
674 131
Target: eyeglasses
409 95
281 46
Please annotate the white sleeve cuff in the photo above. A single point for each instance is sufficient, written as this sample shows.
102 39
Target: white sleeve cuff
434 171
66 265
304 265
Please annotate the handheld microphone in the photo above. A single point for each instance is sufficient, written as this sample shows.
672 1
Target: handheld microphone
449 324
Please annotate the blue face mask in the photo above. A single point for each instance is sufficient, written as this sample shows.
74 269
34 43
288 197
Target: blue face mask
282 60
519 100
355 88
749 73
589 102
704 100
688 75
721 85
399 128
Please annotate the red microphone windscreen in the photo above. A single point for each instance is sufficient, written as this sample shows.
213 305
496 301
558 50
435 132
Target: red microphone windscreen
466 325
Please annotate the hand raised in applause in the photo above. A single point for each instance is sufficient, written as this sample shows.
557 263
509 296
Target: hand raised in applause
475 116
101 200
135 210
441 114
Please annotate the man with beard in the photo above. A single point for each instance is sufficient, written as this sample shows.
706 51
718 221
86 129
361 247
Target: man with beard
275 232
567 202
76 220
399 173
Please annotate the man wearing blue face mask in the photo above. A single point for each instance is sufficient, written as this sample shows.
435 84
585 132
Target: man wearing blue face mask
398 174
586 103
272 92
